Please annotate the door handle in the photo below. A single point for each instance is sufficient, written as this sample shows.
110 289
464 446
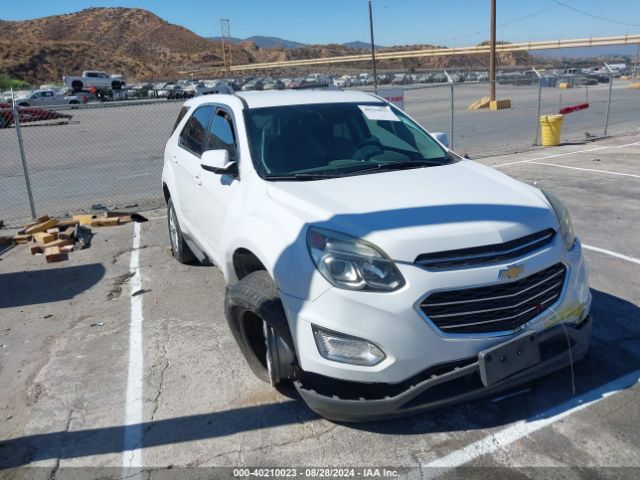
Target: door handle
175 159
198 180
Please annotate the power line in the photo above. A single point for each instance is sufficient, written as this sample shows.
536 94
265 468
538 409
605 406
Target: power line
503 24
594 16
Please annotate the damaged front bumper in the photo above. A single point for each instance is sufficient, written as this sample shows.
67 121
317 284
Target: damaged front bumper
439 386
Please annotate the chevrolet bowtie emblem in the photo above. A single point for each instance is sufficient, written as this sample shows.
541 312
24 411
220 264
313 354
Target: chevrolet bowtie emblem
511 272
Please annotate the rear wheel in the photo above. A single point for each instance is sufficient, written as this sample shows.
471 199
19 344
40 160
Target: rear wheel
179 247
259 325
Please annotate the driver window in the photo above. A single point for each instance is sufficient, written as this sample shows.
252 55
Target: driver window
221 136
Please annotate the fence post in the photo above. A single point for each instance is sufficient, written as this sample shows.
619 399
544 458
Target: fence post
535 140
450 80
606 120
16 120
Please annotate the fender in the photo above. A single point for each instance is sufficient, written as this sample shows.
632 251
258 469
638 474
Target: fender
281 249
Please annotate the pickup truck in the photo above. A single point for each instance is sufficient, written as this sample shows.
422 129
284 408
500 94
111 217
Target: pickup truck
365 262
99 80
42 98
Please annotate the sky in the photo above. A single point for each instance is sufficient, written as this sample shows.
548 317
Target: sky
397 22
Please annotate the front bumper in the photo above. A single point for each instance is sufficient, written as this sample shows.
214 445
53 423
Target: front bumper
436 388
394 322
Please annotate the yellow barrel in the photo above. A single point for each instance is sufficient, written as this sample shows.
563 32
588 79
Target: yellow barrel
551 126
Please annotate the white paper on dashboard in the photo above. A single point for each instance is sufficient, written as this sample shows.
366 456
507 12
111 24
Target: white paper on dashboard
376 113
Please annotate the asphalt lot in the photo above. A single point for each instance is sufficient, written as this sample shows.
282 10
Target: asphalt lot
111 154
78 383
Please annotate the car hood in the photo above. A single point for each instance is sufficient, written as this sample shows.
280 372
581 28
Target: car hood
409 212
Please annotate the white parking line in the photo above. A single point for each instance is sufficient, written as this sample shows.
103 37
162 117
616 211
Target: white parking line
556 155
132 452
524 428
585 169
613 254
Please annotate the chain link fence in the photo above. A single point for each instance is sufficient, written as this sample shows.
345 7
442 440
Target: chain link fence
109 154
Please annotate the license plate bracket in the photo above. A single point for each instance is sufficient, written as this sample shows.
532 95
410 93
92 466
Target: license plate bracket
506 359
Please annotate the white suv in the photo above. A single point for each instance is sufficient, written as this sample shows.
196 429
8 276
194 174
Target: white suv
364 260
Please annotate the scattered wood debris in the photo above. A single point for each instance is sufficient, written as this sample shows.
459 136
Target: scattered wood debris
55 238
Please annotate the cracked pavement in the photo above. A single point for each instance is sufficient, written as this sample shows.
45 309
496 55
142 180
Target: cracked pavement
64 377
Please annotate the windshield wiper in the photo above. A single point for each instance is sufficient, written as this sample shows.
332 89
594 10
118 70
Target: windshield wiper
304 176
405 165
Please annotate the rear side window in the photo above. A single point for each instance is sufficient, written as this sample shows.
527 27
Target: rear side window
183 112
221 136
194 134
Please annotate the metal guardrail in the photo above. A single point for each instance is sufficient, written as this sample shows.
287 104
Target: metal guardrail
440 52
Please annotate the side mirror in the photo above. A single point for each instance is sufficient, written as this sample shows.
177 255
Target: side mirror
217 161
442 138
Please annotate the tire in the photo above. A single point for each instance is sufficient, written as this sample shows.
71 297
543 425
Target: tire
259 325
179 248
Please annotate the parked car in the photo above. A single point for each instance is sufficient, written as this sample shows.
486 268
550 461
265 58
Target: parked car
401 79
255 84
366 262
343 82
96 79
273 84
43 98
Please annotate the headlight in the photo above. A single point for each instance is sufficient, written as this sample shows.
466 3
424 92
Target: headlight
564 219
352 263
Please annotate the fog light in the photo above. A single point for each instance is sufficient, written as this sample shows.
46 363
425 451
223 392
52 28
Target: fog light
346 349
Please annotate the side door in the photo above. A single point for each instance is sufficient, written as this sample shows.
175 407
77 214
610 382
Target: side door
48 97
188 173
36 99
217 191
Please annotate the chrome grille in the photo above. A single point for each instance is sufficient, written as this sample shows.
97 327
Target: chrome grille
495 308
486 254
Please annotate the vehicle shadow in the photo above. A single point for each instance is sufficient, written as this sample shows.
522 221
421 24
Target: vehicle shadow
614 353
47 285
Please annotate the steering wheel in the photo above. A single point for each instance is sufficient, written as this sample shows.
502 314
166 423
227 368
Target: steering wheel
370 142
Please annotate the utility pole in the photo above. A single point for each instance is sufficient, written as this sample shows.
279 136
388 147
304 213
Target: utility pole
492 53
635 66
225 35
373 49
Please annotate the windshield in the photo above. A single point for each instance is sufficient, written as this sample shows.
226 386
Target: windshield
337 139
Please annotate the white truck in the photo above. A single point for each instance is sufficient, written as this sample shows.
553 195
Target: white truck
97 79
365 261
48 97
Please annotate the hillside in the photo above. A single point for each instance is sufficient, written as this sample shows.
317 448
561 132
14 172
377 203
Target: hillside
143 46
120 40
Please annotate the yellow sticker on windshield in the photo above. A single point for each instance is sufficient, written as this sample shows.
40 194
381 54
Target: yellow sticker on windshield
376 113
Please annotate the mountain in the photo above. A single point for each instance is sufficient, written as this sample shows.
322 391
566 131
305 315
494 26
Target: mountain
264 42
360 45
276 42
144 47
131 41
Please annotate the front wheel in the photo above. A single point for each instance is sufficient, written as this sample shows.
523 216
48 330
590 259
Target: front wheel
179 248
259 325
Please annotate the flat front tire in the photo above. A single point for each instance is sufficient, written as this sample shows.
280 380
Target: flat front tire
179 248
259 325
